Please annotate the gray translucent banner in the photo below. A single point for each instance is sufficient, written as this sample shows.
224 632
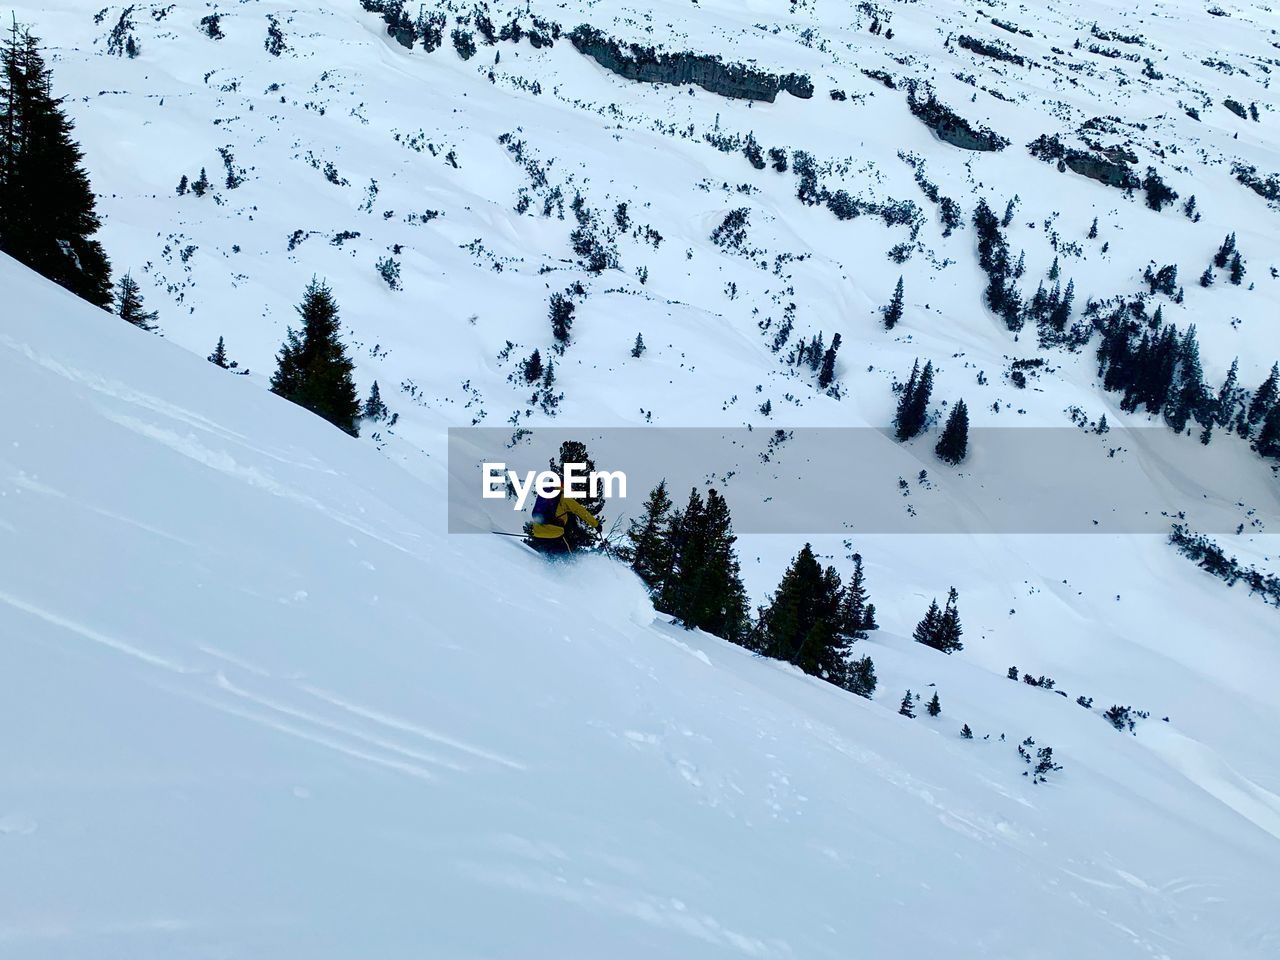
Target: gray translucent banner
813 480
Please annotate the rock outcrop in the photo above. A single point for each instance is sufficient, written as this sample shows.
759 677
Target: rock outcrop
645 64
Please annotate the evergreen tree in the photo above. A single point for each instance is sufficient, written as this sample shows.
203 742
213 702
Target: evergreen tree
182 186
1093 229
1268 444
1191 396
907 707
919 411
531 369
913 405
893 312
561 317
219 356
1060 308
935 705
313 369
966 733
1206 278
704 588
374 408
1224 252
648 547
853 620
949 629
828 372
47 206
802 623
638 350
1237 268
129 305
926 631
1264 398
1228 396
953 445
201 185
941 629
550 399
861 677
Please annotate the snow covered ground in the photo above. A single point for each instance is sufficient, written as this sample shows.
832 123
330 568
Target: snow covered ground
256 704
255 701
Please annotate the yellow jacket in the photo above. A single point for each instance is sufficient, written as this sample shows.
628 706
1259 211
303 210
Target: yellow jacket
554 531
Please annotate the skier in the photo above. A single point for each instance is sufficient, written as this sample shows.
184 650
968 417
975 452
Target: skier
551 518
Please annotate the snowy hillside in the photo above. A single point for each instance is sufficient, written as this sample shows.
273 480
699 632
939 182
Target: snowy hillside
257 706
260 703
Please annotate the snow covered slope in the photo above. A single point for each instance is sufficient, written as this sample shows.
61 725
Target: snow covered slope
256 705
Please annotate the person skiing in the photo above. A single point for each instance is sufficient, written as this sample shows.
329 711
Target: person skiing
552 517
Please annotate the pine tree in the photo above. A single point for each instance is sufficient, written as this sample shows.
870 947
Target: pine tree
561 317
1093 229
926 631
1237 268
704 589
648 548
182 186
941 629
531 369
919 410
1228 396
638 350
860 678
219 356
802 622
935 705
902 418
129 306
828 372
1206 278
893 312
953 445
853 620
1060 309
374 408
966 733
1264 398
201 185
1191 396
313 369
47 206
949 630
1268 444
913 405
1224 252
907 707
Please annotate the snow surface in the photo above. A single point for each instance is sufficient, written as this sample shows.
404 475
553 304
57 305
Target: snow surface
255 702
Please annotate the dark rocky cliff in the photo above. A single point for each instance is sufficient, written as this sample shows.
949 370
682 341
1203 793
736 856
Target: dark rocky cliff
646 64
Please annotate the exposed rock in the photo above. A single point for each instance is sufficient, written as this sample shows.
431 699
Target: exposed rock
646 64
949 126
1109 165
